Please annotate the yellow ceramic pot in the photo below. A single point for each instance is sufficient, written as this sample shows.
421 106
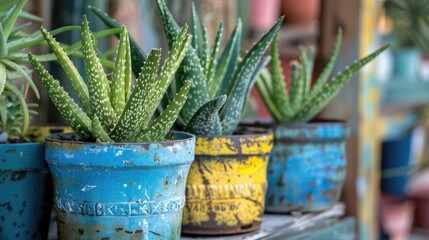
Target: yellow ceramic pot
225 191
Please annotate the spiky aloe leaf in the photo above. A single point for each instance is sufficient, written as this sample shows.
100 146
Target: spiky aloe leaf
281 97
305 69
120 75
2 77
206 120
11 17
213 58
138 57
3 41
132 115
171 64
323 77
97 130
197 34
23 71
205 58
68 109
264 92
72 73
98 85
329 90
160 127
24 107
297 85
190 68
231 111
261 65
227 63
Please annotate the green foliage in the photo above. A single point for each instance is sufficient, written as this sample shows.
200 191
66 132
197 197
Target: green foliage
410 22
301 102
113 112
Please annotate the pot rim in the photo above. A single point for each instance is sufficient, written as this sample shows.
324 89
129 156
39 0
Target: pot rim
185 137
270 123
253 132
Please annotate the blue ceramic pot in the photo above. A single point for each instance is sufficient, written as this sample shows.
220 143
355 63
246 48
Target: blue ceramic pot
25 191
307 167
119 190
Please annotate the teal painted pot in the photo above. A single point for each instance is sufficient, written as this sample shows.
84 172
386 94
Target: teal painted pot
307 167
406 63
25 191
119 190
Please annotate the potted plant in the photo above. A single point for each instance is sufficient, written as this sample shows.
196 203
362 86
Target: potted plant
120 175
306 170
226 187
410 35
25 184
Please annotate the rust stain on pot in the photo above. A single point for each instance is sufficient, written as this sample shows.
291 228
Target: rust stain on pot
11 150
156 158
18 175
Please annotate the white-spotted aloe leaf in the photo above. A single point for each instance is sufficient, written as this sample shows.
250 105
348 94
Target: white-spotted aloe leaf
98 84
197 34
132 115
213 58
190 68
160 127
121 76
297 86
138 57
68 109
98 132
72 73
232 110
227 64
329 90
280 95
206 120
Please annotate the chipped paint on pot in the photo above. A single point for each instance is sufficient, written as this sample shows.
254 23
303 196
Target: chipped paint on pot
25 191
307 167
119 190
225 191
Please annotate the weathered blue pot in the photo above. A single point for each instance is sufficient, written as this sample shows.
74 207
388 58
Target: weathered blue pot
25 191
120 190
307 167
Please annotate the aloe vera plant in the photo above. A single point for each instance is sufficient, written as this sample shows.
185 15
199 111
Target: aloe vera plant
301 101
111 110
221 82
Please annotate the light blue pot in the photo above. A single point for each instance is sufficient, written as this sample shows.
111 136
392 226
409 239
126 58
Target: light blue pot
120 190
307 167
25 191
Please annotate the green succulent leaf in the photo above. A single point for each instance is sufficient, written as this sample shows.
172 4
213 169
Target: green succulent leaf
16 31
262 84
213 58
160 127
261 65
2 77
98 131
3 41
24 108
72 73
121 77
231 111
24 73
206 120
297 85
68 109
227 64
328 91
280 95
323 77
11 18
197 34
138 57
133 113
98 85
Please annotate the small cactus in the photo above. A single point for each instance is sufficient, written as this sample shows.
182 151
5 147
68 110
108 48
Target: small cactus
111 110
301 101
